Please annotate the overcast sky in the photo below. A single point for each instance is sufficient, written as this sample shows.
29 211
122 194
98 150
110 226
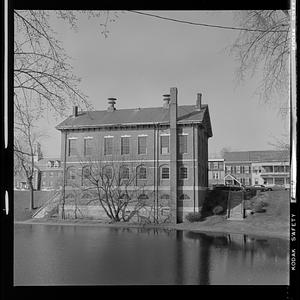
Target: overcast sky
143 57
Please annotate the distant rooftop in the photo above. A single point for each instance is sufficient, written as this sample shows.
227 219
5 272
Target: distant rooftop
137 116
257 156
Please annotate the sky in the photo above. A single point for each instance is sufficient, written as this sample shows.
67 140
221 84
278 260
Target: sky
143 57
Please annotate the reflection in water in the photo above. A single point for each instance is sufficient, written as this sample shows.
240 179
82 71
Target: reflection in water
51 254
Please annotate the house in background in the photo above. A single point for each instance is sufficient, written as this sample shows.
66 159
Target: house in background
269 167
167 145
50 173
216 171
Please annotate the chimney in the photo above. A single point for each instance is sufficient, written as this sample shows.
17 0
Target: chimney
166 101
75 111
111 102
198 102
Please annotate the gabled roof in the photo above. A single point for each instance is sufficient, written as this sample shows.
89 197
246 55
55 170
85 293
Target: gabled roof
138 116
257 156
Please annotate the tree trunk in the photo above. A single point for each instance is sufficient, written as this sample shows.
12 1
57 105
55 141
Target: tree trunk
31 205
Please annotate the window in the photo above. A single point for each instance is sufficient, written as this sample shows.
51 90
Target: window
287 169
183 173
182 144
72 147
287 180
256 181
267 169
124 173
228 169
165 197
268 181
216 165
108 172
108 145
246 169
279 181
142 145
184 197
164 144
279 169
143 197
86 172
88 146
215 175
238 169
71 174
141 173
165 174
124 145
50 174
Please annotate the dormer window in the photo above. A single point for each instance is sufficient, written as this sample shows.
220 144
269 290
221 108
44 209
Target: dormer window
57 164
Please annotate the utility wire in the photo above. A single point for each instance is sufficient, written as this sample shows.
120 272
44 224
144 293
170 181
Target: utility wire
202 24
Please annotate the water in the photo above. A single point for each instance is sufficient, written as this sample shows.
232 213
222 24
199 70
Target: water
89 255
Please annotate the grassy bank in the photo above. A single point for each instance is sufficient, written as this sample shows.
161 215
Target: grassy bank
274 222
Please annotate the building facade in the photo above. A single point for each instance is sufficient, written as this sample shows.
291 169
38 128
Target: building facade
165 149
216 171
268 167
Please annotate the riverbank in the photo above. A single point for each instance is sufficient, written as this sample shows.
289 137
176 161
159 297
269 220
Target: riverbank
272 223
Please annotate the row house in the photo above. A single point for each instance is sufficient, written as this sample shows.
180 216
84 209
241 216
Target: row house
216 171
164 148
269 167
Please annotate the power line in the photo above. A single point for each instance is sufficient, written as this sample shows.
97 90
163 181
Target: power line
203 24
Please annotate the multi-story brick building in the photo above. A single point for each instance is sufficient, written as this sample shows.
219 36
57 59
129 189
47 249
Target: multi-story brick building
166 146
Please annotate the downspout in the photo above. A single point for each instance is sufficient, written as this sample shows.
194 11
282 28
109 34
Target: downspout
194 182
64 177
157 168
154 173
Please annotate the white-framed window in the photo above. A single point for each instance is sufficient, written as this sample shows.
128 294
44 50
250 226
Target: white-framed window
125 148
164 144
165 173
107 172
215 175
124 172
246 169
72 146
183 143
215 165
108 145
183 173
88 146
142 144
141 172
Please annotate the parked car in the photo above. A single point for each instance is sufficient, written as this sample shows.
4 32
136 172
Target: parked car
275 187
259 187
225 187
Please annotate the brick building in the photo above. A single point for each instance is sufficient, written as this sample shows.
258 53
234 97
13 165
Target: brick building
166 146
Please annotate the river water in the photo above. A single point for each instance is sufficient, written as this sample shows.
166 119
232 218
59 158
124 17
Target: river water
91 255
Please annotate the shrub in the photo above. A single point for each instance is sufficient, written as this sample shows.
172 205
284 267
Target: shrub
258 207
194 217
217 210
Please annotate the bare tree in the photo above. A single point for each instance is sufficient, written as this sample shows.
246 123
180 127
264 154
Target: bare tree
265 45
25 141
118 187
